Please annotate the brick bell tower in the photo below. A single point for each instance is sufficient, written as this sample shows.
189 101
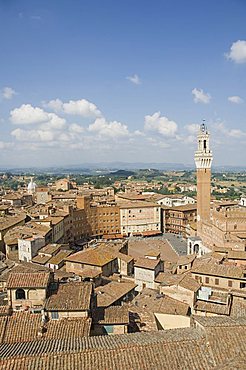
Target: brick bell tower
203 160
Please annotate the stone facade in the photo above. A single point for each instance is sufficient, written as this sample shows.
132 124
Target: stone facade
226 228
138 217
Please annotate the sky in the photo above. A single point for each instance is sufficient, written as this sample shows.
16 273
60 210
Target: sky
88 81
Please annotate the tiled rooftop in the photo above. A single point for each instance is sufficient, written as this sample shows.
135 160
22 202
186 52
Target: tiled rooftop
151 301
73 296
25 327
113 291
9 221
241 255
189 283
219 321
42 260
136 204
21 327
184 280
184 349
28 280
5 310
210 307
28 229
185 260
111 315
59 257
138 247
238 307
215 269
147 263
50 249
92 256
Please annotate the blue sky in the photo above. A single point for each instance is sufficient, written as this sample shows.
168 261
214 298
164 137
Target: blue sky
103 80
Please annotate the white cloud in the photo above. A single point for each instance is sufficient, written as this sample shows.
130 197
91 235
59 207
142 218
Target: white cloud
27 114
33 135
237 52
80 107
233 133
5 145
236 133
138 133
55 122
112 129
75 128
157 143
192 128
8 93
134 79
199 96
55 105
67 137
41 130
190 139
160 124
235 99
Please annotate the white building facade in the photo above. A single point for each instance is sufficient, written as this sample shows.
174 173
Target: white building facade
29 247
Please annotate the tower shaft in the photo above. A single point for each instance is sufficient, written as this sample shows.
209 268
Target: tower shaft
203 195
203 160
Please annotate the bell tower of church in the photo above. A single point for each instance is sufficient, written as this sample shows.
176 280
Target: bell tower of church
203 160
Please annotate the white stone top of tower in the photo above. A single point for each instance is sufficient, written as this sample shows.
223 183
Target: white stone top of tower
203 154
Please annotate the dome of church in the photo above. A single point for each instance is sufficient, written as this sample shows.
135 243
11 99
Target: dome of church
31 186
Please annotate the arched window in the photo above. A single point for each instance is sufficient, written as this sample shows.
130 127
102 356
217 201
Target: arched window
196 248
20 294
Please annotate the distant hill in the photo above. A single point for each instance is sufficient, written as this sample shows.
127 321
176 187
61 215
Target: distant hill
113 167
121 173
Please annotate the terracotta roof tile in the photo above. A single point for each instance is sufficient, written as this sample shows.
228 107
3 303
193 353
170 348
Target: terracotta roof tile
153 302
73 296
113 291
218 270
111 315
189 283
185 260
147 263
9 221
28 280
59 257
186 349
241 255
217 308
50 249
25 327
92 256
219 321
42 260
